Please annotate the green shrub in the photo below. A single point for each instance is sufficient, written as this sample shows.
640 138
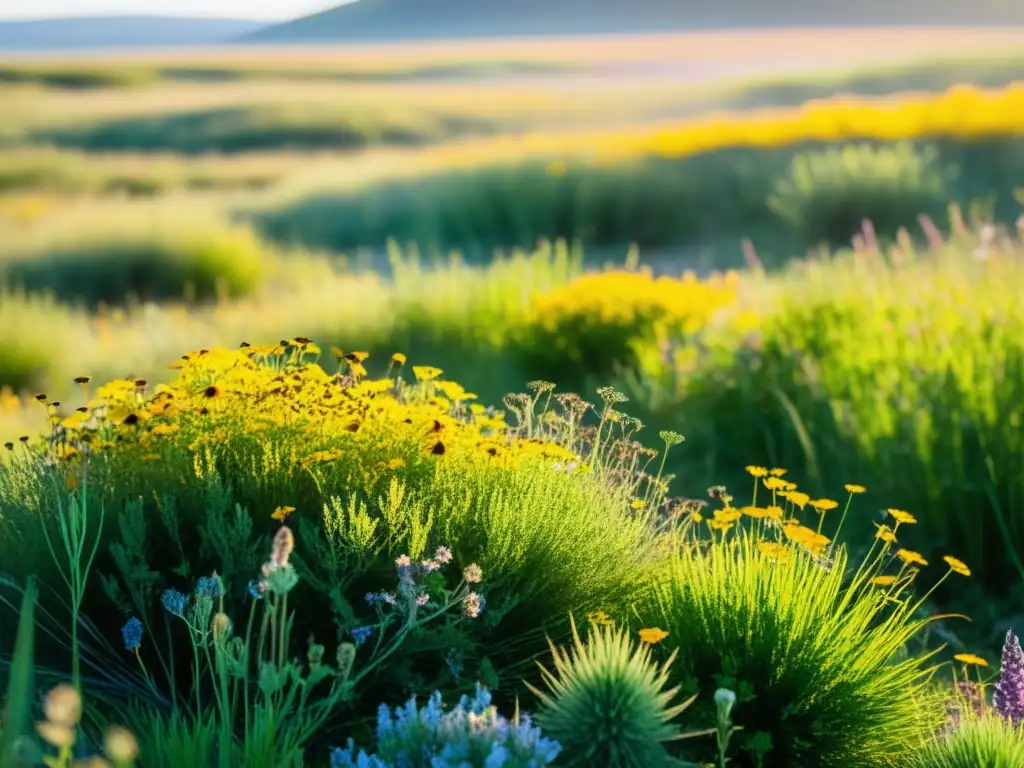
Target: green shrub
818 662
906 375
988 741
608 703
372 474
113 255
827 194
652 201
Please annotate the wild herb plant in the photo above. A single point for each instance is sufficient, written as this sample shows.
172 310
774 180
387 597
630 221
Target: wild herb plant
560 514
471 735
813 645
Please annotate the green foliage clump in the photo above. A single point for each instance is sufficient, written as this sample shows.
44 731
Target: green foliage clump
827 194
371 471
817 662
903 370
608 703
990 741
233 130
147 258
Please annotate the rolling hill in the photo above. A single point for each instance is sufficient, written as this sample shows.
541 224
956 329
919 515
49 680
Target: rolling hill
412 19
68 33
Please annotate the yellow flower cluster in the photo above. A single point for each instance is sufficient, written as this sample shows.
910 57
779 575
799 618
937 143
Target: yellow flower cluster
962 112
627 298
278 392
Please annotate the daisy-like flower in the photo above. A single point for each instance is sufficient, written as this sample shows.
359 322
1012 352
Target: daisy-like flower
851 488
901 517
957 566
653 635
970 658
910 557
757 471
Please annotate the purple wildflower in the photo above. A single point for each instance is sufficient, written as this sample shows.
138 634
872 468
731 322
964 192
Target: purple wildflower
1008 698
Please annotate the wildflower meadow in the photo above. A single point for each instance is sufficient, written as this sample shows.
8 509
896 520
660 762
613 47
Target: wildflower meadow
346 421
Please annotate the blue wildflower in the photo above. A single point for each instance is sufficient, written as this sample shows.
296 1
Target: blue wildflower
361 634
210 586
255 590
132 634
174 602
372 598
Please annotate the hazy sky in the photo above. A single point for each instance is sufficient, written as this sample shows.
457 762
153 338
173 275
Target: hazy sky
247 9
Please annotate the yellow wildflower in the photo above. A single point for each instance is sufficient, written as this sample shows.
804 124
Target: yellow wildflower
970 658
884 581
910 557
774 483
653 635
904 518
799 498
757 471
281 513
851 488
777 472
426 372
398 358
774 550
885 533
824 505
957 566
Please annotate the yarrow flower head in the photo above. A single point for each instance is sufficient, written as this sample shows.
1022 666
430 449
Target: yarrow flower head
1008 698
174 602
443 555
131 633
473 604
472 574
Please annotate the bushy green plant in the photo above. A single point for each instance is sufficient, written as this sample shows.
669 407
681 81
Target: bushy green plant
197 486
472 735
149 256
885 368
608 703
990 741
817 661
827 194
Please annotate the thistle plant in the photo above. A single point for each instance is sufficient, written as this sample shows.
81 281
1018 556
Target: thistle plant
472 735
1008 698
608 704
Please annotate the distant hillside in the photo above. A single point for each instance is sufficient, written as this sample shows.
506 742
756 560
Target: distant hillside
119 32
409 19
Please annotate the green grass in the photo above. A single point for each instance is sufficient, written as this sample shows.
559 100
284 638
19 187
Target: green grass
900 372
287 127
785 199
